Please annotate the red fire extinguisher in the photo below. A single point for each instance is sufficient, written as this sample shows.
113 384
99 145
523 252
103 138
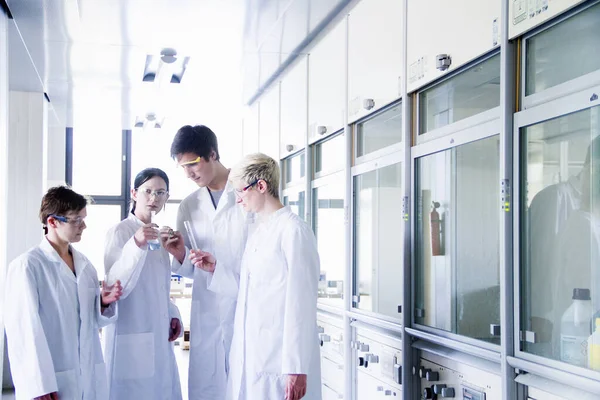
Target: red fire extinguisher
436 231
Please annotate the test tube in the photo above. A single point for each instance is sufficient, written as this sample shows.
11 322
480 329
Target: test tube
190 233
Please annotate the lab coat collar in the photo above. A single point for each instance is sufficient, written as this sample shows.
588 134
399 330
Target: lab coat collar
135 219
273 216
229 195
49 251
51 254
206 204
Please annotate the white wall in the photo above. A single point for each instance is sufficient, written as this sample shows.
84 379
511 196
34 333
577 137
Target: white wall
25 178
3 165
54 156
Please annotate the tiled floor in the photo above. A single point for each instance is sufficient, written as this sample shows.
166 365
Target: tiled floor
182 357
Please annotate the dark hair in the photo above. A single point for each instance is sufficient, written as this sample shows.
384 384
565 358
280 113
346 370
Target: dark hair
144 176
198 139
60 200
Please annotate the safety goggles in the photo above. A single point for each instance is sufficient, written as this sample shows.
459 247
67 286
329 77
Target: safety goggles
77 221
190 163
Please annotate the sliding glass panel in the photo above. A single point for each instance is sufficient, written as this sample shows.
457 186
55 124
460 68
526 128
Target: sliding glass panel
379 240
565 51
383 130
469 93
560 237
329 227
457 240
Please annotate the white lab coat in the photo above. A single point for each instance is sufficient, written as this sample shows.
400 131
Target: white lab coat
223 233
52 320
548 214
276 317
139 357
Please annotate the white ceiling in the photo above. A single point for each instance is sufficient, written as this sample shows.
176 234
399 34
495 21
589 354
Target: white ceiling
90 57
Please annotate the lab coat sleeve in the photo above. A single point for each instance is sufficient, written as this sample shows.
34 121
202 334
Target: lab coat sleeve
224 281
123 260
186 269
174 313
110 314
299 329
30 359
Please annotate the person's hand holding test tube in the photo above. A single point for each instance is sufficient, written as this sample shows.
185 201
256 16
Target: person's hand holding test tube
198 258
173 242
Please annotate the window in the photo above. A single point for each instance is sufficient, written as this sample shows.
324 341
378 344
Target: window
563 52
295 199
100 218
464 95
379 132
294 168
330 155
97 164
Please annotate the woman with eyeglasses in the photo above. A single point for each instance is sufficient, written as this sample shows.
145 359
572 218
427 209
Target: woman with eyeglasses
138 352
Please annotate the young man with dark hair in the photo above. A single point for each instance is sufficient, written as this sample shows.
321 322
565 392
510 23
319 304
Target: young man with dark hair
55 309
219 226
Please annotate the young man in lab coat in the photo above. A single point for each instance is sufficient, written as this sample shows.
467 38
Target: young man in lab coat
275 349
55 309
220 227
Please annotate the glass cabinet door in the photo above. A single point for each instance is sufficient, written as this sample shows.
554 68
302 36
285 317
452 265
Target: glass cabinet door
379 132
330 230
560 238
457 239
378 240
462 96
549 55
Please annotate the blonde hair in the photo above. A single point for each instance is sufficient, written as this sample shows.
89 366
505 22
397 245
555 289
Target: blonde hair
254 167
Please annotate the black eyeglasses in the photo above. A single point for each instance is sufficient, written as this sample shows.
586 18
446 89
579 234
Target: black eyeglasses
239 192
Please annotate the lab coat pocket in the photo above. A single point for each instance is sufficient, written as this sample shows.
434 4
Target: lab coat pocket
101 381
134 356
67 385
268 355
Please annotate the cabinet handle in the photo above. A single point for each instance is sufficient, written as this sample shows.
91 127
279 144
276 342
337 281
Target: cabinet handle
289 147
368 104
321 130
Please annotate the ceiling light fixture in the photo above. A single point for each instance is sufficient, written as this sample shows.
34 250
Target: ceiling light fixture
168 68
149 121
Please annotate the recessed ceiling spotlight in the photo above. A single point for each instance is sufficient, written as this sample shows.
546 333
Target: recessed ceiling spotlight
168 55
